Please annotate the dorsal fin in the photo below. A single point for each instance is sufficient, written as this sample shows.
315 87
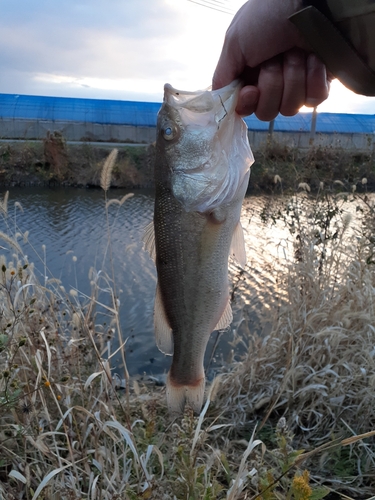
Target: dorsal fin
163 332
226 318
149 240
237 247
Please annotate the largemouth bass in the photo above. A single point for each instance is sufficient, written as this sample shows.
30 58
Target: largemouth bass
202 170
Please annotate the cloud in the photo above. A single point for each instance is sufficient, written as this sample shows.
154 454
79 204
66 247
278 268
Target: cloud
130 17
70 41
118 49
343 100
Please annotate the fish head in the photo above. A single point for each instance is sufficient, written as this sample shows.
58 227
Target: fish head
185 136
195 136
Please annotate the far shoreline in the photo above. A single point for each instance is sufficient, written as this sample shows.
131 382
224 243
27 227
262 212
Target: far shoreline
278 168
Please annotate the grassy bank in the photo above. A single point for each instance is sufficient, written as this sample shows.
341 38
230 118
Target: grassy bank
293 420
53 162
315 166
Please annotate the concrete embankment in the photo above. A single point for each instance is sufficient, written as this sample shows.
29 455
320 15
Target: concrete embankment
54 161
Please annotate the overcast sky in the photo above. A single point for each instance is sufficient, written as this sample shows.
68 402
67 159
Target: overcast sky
119 49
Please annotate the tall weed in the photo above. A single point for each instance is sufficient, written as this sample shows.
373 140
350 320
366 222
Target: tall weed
316 367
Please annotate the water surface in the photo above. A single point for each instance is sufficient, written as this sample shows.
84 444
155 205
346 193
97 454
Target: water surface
68 235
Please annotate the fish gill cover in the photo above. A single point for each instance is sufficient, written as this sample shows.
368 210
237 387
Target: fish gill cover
212 151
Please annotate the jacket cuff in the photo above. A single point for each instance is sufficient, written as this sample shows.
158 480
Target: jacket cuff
336 52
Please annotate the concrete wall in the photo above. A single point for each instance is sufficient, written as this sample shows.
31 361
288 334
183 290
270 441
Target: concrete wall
77 131
303 140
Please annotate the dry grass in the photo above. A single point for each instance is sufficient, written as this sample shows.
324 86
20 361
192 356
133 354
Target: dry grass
68 430
54 162
317 366
316 165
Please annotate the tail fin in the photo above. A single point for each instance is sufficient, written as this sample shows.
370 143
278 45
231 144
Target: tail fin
180 395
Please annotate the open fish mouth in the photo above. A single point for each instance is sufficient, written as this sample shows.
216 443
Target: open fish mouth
199 103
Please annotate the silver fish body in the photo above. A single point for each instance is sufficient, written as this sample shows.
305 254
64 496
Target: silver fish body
196 223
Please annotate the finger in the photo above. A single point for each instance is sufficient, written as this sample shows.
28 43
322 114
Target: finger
230 65
231 61
317 85
330 77
225 73
270 85
294 73
247 100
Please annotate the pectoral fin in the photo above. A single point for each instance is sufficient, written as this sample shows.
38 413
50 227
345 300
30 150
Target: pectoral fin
237 247
163 332
226 318
149 240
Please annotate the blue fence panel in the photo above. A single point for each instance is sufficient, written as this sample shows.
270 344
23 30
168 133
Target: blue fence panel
134 113
298 123
345 123
81 110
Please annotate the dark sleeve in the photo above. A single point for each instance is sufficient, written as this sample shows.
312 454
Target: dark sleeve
342 34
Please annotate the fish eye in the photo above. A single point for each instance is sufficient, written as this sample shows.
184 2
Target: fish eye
168 133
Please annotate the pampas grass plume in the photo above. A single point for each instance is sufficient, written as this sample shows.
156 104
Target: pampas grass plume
304 186
105 178
10 242
4 203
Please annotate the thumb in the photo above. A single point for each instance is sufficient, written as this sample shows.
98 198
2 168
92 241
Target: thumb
225 72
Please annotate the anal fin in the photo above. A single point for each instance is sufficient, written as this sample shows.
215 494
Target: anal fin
226 318
149 240
163 332
237 247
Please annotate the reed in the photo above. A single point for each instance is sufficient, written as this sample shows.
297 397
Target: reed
293 420
106 175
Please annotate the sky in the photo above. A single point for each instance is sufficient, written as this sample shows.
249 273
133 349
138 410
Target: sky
121 49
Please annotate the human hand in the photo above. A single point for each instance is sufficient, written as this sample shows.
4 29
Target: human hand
264 49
